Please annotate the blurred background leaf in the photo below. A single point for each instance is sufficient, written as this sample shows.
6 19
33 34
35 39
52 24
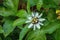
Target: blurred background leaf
8 3
19 21
23 32
11 4
57 1
49 4
56 34
8 27
51 27
36 35
1 29
39 4
50 16
5 12
10 7
22 13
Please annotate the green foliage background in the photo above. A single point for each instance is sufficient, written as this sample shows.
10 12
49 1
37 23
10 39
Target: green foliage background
13 15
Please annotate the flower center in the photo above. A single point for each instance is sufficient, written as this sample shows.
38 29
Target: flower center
35 20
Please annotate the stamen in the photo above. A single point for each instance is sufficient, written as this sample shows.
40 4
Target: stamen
35 20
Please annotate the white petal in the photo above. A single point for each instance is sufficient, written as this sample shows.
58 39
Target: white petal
34 27
40 15
27 21
38 26
41 19
32 14
36 15
29 18
41 23
30 25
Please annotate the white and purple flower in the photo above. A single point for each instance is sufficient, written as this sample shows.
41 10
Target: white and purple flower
35 21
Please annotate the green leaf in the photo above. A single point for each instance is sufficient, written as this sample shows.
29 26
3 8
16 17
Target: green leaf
57 1
8 3
28 6
36 35
19 22
51 27
23 32
22 13
8 27
33 2
49 4
20 26
1 29
50 16
16 3
4 12
39 4
11 4
56 34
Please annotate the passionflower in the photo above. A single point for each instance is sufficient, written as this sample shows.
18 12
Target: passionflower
35 20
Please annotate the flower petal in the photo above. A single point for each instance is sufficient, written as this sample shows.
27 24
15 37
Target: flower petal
30 25
40 15
34 27
29 18
27 21
36 15
41 23
41 19
38 26
32 14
